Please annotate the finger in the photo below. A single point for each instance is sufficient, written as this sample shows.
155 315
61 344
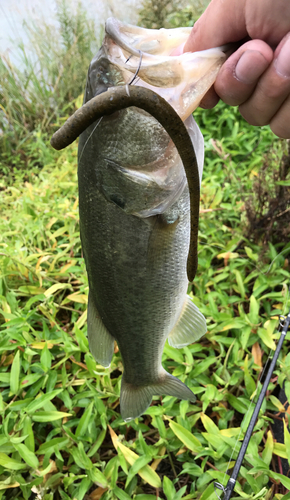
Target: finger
268 20
239 75
280 124
272 90
210 99
226 19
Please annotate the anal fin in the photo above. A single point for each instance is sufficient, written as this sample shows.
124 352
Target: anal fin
191 325
101 342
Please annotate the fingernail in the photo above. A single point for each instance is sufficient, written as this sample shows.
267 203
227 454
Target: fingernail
250 66
282 62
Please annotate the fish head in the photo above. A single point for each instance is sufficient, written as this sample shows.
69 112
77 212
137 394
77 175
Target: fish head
130 51
130 56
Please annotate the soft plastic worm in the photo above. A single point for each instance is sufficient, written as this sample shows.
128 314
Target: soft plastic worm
117 98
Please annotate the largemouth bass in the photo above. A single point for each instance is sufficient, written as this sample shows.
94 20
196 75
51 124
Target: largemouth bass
135 210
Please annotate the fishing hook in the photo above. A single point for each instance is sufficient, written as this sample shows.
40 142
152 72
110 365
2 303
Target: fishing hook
138 69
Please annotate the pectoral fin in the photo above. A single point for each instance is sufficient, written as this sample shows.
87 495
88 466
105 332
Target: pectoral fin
190 326
136 399
101 341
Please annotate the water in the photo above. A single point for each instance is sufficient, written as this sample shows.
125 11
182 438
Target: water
13 13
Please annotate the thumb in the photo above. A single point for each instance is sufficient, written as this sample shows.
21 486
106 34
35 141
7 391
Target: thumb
222 22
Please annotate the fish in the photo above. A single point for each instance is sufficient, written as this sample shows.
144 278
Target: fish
134 207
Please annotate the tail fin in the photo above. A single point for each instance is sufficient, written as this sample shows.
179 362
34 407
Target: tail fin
136 399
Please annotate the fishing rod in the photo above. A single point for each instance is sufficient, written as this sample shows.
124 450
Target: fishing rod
232 480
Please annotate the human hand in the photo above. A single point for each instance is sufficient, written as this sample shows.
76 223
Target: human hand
257 76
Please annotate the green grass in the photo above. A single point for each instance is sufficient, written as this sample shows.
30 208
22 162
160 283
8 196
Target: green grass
61 434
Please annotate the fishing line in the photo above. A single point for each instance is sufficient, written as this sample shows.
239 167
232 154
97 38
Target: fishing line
85 144
284 324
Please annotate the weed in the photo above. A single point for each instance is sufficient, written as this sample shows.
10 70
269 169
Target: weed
170 13
37 96
268 209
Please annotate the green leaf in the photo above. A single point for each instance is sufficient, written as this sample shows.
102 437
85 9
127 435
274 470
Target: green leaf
81 340
245 334
237 404
42 400
217 199
268 450
97 477
233 323
209 493
168 488
28 431
180 493
121 494
279 477
5 378
284 497
20 404
28 380
266 337
283 183
45 359
135 468
145 497
216 441
49 416
287 440
80 457
48 447
240 283
27 455
202 366
10 463
280 450
209 425
83 488
31 290
249 381
190 441
91 364
276 402
84 421
98 443
251 254
57 286
15 372
173 353
123 462
254 310
287 389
